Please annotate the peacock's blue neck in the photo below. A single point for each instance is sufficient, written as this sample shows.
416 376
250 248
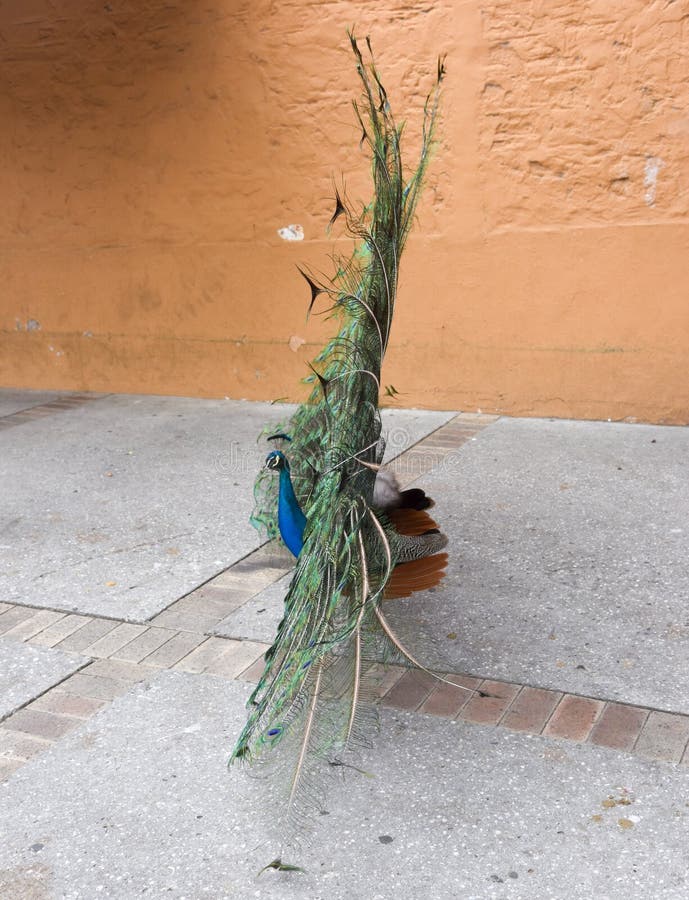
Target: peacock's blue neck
291 520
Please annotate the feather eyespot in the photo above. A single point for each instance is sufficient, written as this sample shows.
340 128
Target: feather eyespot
273 735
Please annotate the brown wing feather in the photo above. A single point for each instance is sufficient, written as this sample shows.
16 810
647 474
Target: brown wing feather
419 575
411 521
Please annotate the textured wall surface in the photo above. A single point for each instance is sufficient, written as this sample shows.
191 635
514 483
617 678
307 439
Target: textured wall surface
584 112
151 151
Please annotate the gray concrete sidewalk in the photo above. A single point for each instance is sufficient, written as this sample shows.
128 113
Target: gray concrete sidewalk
132 618
134 501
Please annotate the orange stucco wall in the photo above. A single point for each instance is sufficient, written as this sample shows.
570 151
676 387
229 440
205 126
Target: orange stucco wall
151 149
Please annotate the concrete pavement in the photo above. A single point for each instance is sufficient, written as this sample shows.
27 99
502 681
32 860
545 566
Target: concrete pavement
566 593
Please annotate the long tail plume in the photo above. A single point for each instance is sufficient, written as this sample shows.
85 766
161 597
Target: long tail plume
310 706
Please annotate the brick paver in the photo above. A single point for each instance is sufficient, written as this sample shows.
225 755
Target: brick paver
46 409
410 691
249 580
488 710
59 630
202 656
663 736
530 710
259 569
174 650
574 718
253 673
95 686
618 726
34 624
181 617
444 442
379 679
119 669
449 699
56 701
41 724
235 657
86 635
114 640
20 745
212 602
145 644
14 616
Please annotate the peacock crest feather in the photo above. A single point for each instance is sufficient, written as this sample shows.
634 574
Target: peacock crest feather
312 703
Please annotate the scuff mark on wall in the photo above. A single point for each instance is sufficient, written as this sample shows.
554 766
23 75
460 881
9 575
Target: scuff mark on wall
653 166
295 342
292 233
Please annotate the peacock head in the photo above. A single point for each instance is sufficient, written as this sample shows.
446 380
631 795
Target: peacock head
276 459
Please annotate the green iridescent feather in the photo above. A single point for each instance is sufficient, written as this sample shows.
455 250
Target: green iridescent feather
310 704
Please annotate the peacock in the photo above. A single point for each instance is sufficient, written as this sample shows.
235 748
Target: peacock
358 539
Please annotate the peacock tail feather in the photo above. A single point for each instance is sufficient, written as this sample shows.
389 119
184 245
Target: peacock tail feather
311 703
